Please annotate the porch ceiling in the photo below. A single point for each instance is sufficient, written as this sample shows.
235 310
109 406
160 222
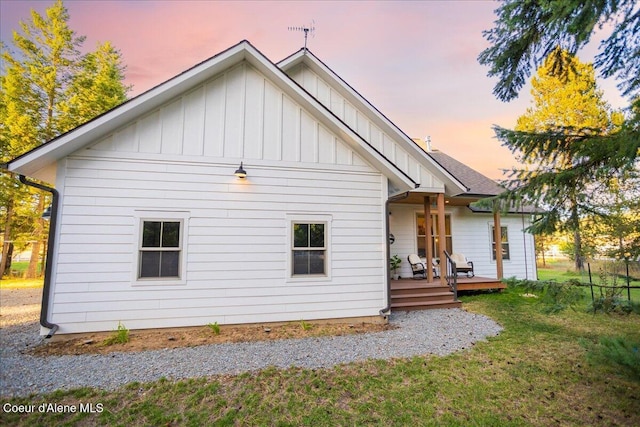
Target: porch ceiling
416 198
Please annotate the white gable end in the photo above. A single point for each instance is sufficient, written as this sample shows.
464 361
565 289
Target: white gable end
359 121
237 115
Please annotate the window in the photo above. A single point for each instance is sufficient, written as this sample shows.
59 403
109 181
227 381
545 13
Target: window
504 242
309 248
420 227
160 249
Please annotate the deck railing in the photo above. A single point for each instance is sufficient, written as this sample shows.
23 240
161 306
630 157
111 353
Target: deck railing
451 275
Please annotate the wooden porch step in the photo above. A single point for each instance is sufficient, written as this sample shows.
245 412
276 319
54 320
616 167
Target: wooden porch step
422 305
424 290
403 285
421 297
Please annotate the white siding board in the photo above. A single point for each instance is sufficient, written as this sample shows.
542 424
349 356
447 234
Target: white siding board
126 139
254 115
324 93
308 139
172 118
290 130
149 133
350 115
194 117
343 155
234 113
327 146
273 111
214 119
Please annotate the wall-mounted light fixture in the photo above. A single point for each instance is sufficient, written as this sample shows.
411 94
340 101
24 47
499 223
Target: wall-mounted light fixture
47 213
240 172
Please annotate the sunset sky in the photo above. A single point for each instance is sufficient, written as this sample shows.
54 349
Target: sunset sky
415 61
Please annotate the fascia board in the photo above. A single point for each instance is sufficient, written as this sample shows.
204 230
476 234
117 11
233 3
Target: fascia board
349 93
76 139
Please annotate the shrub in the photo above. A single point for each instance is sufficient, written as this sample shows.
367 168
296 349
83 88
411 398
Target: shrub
554 296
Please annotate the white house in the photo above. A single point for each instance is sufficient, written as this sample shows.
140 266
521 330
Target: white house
152 228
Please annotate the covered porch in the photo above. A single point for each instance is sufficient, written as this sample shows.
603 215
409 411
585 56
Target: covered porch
428 226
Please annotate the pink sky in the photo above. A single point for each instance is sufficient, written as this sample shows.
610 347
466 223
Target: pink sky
415 61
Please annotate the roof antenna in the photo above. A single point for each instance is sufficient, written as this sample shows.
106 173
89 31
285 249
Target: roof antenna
307 29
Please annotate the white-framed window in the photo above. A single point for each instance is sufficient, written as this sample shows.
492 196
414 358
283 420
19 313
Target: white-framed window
309 247
421 229
504 243
161 242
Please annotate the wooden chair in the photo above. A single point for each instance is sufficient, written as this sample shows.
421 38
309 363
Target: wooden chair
462 264
417 266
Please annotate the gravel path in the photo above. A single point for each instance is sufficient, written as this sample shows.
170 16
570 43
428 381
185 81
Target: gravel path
438 332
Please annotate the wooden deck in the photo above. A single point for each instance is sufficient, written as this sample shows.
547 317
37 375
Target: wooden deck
477 283
418 294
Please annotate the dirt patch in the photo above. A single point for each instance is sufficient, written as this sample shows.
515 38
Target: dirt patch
22 306
143 340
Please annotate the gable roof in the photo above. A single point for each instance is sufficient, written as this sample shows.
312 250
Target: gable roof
46 154
304 56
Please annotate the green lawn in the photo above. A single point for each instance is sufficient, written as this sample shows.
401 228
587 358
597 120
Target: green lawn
561 271
535 373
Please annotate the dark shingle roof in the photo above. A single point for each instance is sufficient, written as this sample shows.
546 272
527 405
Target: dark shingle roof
478 184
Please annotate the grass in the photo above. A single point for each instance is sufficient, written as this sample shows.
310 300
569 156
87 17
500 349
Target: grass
537 372
7 283
563 270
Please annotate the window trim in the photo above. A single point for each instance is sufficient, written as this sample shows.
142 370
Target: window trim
492 244
293 219
140 218
448 237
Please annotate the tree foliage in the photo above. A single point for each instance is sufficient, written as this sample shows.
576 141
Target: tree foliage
529 31
561 104
47 87
564 154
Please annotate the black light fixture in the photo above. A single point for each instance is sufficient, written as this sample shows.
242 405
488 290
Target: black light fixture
240 172
47 213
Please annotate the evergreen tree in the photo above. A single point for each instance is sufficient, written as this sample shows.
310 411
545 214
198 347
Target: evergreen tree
562 104
528 31
47 88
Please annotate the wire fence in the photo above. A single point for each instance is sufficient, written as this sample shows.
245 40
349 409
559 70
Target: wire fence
615 280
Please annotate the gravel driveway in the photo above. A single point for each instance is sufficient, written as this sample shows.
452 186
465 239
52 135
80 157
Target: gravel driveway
438 332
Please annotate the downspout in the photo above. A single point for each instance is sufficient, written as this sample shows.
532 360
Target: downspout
46 290
387 310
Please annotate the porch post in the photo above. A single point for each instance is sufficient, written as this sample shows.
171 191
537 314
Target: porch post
428 245
442 239
497 237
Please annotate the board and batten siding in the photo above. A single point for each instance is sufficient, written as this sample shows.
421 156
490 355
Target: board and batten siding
359 121
471 236
180 160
